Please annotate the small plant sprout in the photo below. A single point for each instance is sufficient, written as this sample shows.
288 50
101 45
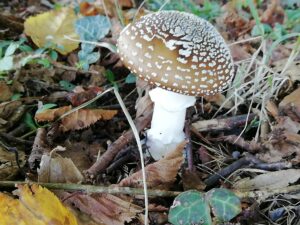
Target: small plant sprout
184 56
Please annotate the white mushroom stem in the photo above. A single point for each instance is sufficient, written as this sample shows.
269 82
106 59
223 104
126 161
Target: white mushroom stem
168 121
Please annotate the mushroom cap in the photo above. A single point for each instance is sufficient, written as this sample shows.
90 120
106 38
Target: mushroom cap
177 51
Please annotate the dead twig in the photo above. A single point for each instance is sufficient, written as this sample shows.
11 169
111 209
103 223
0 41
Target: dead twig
39 147
249 146
223 124
248 160
188 147
11 139
104 161
94 189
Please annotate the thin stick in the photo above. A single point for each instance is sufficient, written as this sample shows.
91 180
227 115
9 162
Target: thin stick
138 141
94 189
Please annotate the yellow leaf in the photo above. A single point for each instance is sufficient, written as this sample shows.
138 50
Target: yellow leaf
52 27
36 206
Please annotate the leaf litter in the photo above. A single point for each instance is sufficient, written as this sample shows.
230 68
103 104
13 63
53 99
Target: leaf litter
64 65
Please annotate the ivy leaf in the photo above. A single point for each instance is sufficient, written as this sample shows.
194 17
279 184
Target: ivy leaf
224 203
188 208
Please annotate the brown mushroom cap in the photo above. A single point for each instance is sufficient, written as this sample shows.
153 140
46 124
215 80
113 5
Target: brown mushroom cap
177 51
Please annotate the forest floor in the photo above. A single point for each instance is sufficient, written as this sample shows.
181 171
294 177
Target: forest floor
63 129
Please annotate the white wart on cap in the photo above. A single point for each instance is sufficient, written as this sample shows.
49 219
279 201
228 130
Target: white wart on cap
177 51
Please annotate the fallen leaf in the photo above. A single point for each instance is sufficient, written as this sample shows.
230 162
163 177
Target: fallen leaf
10 113
273 14
143 103
5 92
292 71
220 100
77 120
59 23
8 165
36 206
78 98
282 144
290 105
56 169
270 180
104 208
292 98
160 174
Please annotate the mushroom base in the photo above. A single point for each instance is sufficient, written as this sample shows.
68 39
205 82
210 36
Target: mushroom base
168 121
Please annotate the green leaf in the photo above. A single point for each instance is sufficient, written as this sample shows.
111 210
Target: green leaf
11 49
224 203
66 85
25 48
53 55
189 208
6 63
29 121
16 96
209 10
130 79
110 76
92 29
45 107
261 29
44 62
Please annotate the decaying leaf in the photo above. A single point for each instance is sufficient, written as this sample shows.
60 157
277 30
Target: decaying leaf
80 97
104 208
291 99
77 120
58 23
36 206
5 92
160 174
56 169
270 180
283 142
8 165
10 113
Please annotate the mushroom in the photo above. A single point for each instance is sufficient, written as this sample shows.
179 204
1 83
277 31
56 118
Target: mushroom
184 56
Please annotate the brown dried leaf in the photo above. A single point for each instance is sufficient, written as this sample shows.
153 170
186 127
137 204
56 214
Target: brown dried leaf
85 117
143 103
281 144
292 98
160 174
292 71
56 169
273 14
40 147
78 98
77 120
51 114
5 92
270 180
104 208
8 165
219 99
290 105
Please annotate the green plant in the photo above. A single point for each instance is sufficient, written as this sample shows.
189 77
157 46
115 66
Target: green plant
209 10
193 207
